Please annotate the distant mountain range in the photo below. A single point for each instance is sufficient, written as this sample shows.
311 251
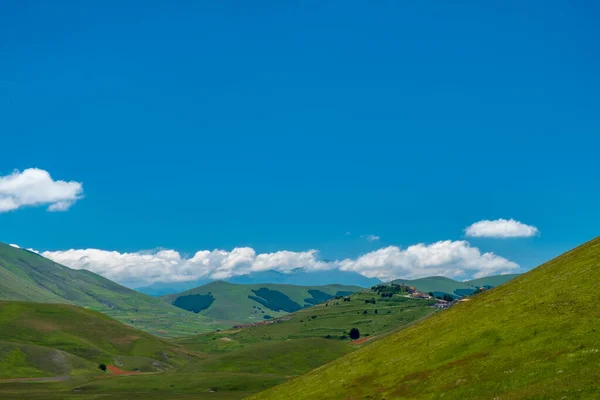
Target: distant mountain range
442 285
298 276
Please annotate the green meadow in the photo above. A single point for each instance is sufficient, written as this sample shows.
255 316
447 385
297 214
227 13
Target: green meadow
225 364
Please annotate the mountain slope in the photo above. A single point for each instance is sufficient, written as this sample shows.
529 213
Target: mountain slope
537 336
228 302
27 276
56 339
441 284
298 277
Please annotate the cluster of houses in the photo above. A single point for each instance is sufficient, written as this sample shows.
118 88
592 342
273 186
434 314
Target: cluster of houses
440 304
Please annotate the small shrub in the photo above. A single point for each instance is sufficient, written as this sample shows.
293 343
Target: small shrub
354 334
102 367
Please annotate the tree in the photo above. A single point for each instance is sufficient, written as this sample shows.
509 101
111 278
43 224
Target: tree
102 367
431 294
354 333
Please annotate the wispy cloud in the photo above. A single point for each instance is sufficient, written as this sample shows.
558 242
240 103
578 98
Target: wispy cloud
371 238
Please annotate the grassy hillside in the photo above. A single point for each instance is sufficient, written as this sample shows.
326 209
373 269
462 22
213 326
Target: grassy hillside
332 319
238 362
56 339
442 284
537 336
27 276
232 303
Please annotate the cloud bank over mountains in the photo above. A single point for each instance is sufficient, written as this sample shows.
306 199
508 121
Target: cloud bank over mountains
35 187
453 259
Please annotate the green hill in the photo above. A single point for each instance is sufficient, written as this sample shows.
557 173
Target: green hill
332 320
441 284
537 336
27 276
38 340
237 362
232 303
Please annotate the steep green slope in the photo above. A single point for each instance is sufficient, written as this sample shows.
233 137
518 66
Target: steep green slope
39 339
537 336
27 276
233 303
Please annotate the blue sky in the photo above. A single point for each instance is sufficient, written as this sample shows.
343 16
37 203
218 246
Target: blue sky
280 126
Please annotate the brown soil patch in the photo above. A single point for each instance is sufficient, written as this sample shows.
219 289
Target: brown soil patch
361 341
119 371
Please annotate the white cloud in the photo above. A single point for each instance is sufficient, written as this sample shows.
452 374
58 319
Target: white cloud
35 187
15 246
371 238
501 228
453 259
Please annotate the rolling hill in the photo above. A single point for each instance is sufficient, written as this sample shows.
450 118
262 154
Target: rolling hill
441 284
39 340
232 303
298 277
537 336
27 276
230 364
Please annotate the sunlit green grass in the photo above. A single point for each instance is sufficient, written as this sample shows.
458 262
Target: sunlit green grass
536 337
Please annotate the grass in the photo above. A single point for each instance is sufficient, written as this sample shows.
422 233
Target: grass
27 276
334 318
235 363
228 386
56 339
232 303
535 337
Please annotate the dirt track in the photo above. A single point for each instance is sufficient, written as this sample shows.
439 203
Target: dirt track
44 379
361 341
